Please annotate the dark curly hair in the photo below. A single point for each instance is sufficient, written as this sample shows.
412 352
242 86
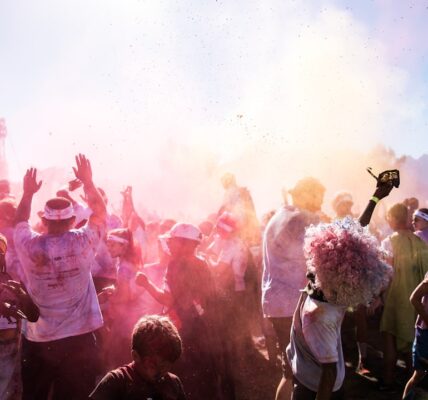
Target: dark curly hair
157 335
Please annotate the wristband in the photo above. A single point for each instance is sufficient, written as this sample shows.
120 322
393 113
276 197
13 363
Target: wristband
375 199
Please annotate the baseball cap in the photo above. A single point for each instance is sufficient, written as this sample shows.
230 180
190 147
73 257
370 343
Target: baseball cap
184 231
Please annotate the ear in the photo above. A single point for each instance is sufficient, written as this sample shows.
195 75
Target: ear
135 356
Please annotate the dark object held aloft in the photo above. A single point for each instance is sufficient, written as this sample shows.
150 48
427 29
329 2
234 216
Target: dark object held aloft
389 177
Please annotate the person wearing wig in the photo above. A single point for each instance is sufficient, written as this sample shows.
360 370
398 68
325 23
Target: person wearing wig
345 268
124 306
409 257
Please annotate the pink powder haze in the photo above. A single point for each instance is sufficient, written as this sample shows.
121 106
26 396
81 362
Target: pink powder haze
167 96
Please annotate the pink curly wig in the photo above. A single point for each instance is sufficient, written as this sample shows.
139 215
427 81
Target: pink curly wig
346 261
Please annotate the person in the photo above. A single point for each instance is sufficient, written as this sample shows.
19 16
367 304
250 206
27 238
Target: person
345 269
409 257
7 228
59 351
238 201
15 305
124 299
284 265
229 267
412 204
419 300
156 346
420 223
189 295
342 204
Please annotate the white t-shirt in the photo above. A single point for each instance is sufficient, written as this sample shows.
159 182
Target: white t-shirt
284 264
315 340
234 253
58 276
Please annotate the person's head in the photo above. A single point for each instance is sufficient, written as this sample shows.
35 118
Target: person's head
58 215
228 180
397 217
206 227
156 346
308 194
342 204
420 219
7 213
4 188
226 225
3 249
345 262
165 225
120 243
412 203
183 240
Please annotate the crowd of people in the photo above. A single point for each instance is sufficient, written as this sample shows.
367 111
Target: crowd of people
101 306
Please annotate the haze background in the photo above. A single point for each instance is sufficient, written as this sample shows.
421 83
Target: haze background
168 95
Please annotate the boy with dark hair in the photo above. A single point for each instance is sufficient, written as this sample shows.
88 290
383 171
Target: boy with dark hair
156 346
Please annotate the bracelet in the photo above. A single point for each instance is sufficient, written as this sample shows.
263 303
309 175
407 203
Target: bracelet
375 199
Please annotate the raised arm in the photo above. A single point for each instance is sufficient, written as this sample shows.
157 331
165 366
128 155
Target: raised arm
30 187
380 193
83 172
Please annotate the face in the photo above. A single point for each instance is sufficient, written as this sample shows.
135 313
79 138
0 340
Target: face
152 367
116 249
419 224
181 247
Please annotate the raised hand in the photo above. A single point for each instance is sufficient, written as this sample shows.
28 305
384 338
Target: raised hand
83 170
31 185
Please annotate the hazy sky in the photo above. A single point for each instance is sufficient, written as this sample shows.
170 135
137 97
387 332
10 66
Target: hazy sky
130 81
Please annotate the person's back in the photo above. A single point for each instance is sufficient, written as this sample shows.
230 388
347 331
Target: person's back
57 270
59 351
284 265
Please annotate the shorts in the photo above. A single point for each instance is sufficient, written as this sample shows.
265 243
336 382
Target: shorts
301 392
420 350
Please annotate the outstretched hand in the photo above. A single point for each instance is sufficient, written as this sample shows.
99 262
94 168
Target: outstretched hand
83 170
31 185
383 190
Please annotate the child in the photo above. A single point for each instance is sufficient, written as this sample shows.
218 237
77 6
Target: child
156 346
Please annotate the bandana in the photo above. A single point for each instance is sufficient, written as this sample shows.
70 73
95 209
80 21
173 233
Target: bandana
58 215
420 214
117 239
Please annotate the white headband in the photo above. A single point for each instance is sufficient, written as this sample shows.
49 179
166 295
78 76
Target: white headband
117 239
421 214
58 215
224 226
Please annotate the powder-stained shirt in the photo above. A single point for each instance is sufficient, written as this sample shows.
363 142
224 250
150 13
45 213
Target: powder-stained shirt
315 340
57 271
284 264
234 252
126 384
